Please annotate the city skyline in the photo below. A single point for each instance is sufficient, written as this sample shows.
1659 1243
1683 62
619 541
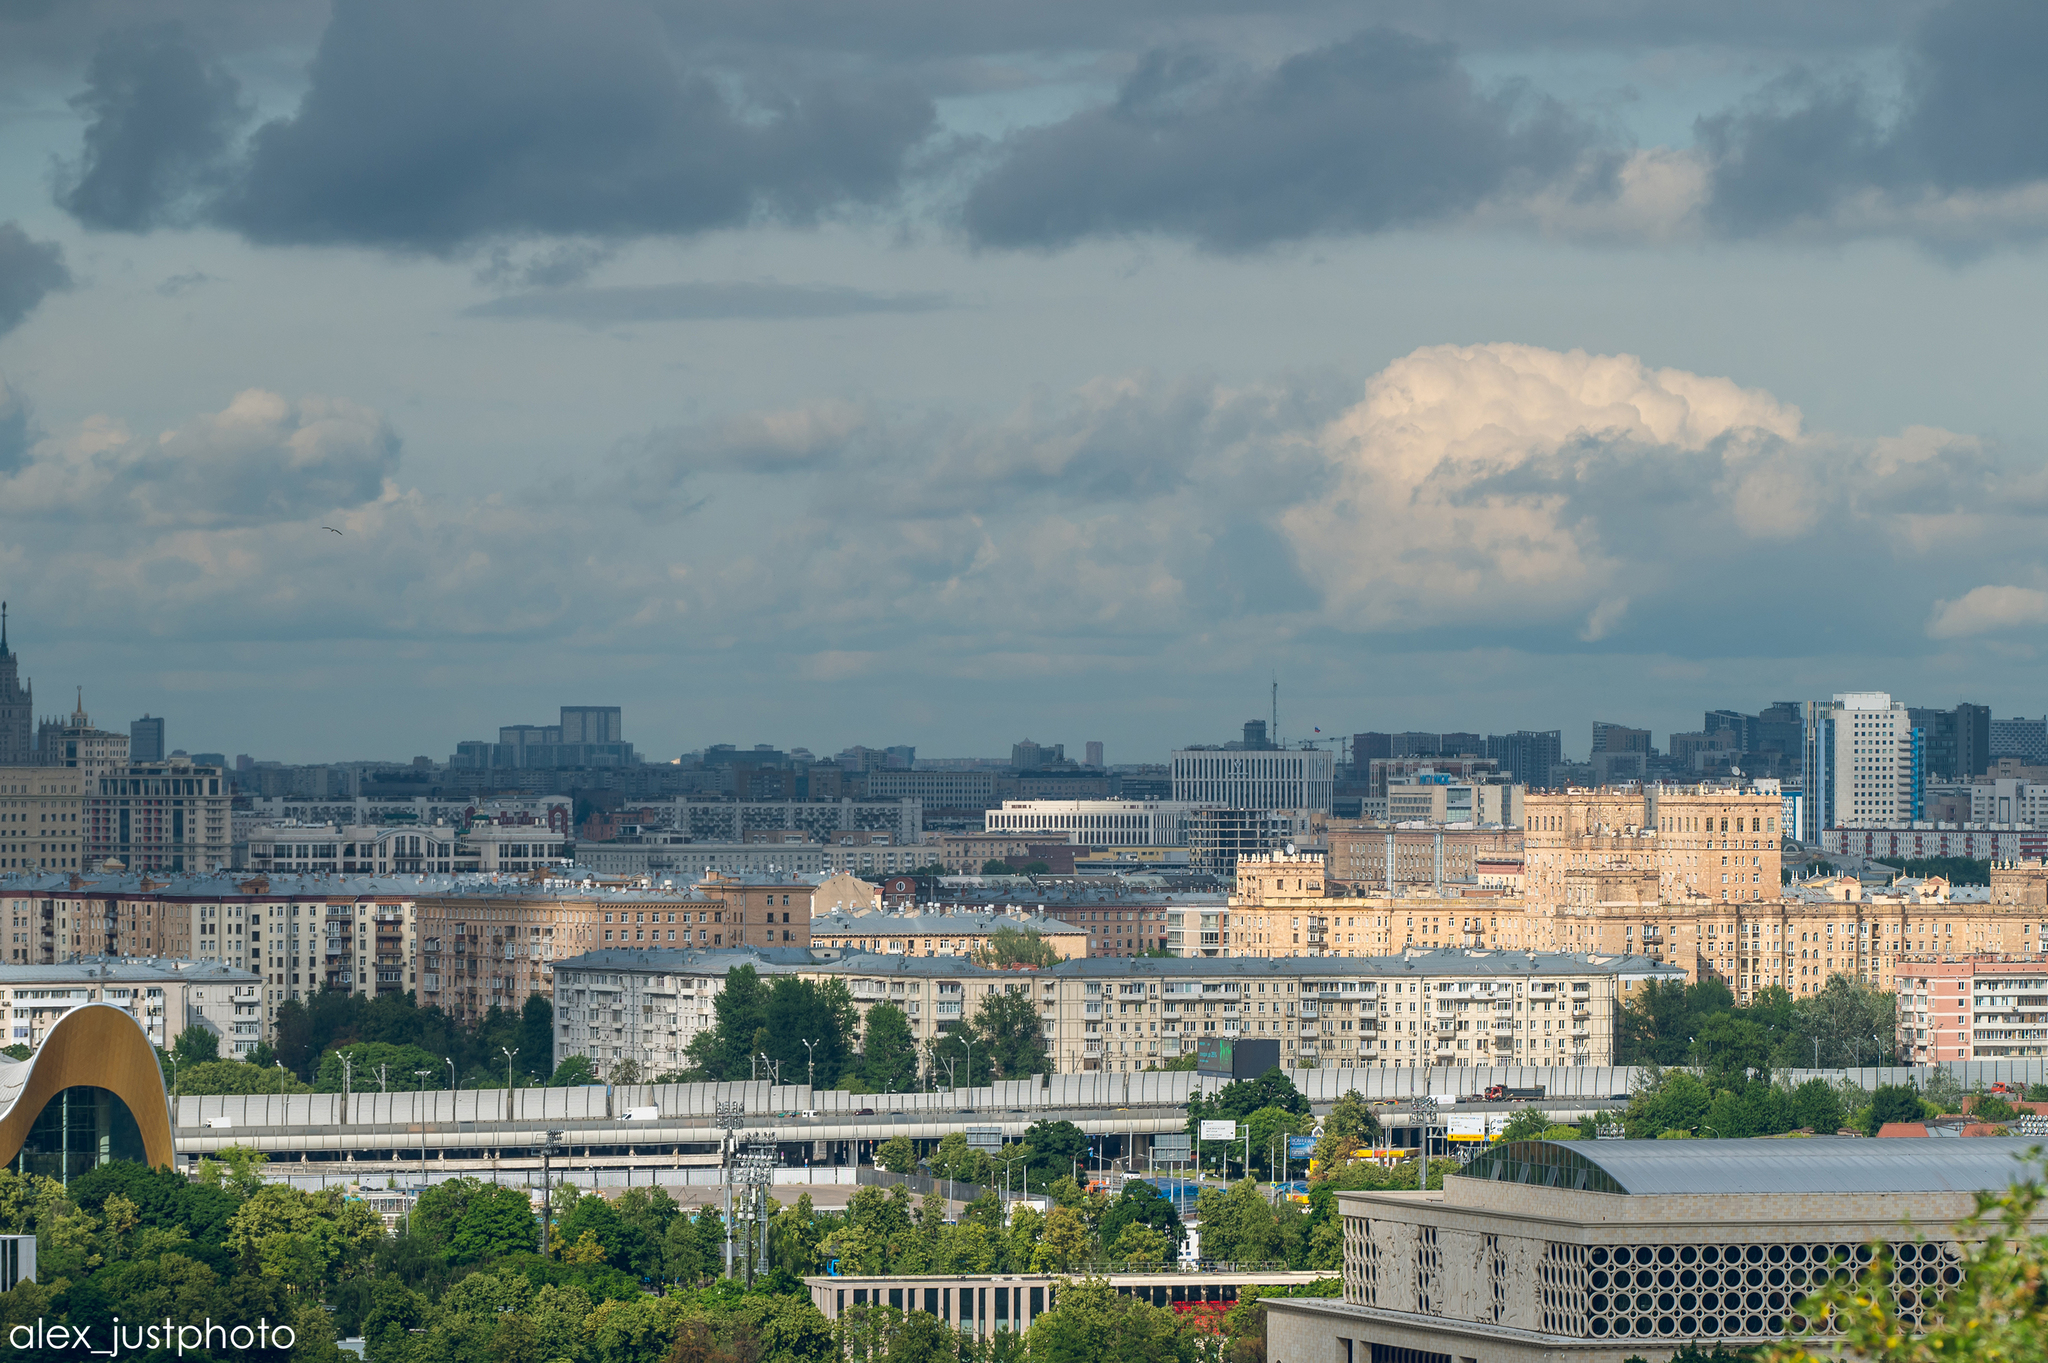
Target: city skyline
1484 372
170 733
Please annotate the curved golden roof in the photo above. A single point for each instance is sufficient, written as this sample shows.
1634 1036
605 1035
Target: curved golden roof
97 1044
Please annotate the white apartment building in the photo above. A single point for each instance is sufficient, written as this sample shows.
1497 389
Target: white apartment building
1095 823
1420 1008
1253 778
164 996
555 811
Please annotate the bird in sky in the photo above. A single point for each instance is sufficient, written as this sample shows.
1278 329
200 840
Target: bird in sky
329 527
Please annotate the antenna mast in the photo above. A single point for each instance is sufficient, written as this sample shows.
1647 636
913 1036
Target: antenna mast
1275 737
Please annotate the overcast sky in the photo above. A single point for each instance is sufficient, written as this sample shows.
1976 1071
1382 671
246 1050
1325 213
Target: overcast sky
946 372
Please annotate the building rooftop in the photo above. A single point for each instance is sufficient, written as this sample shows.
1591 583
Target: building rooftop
1445 962
102 969
678 961
1824 1164
890 922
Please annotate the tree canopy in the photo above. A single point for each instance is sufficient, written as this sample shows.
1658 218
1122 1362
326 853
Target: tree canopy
755 1018
1008 947
1846 1023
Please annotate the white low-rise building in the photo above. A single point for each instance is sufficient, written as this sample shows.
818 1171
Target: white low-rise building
165 997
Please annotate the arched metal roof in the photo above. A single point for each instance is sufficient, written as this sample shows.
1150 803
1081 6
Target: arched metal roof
97 1044
1820 1165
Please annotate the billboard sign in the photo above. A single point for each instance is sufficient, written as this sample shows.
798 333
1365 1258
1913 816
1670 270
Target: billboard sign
1219 1131
1300 1147
987 1139
1171 1145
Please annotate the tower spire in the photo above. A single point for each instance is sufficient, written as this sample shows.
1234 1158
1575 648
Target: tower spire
3 629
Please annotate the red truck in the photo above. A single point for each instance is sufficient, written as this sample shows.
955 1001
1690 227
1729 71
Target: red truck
1502 1093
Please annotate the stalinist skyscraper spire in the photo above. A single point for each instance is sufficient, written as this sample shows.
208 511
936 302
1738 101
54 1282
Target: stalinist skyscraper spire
17 707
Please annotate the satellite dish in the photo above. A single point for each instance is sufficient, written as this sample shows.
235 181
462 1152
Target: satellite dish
1290 849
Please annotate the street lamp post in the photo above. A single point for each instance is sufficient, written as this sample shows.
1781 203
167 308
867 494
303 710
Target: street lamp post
811 1062
1425 1112
422 1076
509 1051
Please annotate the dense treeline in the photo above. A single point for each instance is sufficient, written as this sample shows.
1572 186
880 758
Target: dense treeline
760 1027
1955 870
1845 1024
390 1045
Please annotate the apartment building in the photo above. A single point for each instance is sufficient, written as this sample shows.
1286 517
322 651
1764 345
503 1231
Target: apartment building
163 996
1371 856
1696 842
42 819
771 910
1973 1008
646 1005
1413 1009
937 932
160 816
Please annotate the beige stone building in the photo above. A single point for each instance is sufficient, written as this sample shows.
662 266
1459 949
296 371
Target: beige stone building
1360 854
1687 876
42 820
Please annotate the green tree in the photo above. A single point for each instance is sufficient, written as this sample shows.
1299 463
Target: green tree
1051 1148
1659 1023
1092 1322
236 1076
536 1033
1141 1204
573 1072
995 868
1246 1096
1240 1225
1269 1127
1674 1100
1064 1243
888 1056
1527 1125
897 1155
1892 1103
1816 1105
1008 1041
1351 1125
1732 1049
725 1050
1846 1023
1008 948
196 1046
379 1066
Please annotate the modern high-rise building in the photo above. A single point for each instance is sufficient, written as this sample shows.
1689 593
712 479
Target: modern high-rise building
146 739
592 724
17 707
1094 751
1958 741
1242 778
1530 755
1866 762
2026 739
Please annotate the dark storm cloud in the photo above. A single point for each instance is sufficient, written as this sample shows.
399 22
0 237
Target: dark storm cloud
162 116
1380 130
702 302
1972 118
914 28
29 269
429 127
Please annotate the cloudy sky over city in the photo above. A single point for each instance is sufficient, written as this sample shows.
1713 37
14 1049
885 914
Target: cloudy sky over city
942 373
